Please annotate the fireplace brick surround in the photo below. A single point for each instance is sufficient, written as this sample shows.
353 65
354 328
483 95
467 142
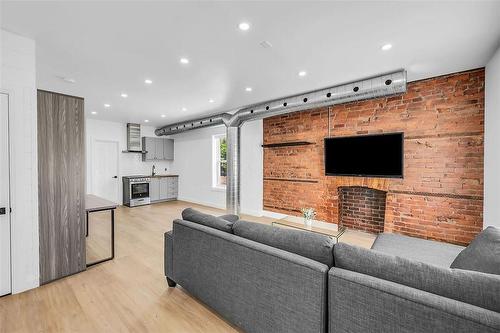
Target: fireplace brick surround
441 194
362 208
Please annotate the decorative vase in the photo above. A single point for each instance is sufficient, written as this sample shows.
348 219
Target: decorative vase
308 222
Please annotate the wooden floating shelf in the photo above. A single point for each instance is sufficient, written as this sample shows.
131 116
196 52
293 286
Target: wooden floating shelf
297 180
287 144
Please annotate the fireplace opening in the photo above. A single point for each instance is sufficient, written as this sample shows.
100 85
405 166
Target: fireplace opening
362 208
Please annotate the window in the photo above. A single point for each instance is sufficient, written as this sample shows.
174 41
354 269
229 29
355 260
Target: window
219 161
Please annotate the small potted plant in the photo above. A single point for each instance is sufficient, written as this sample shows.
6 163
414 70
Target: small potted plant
309 215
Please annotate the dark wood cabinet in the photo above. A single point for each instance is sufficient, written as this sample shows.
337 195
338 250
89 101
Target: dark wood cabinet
61 185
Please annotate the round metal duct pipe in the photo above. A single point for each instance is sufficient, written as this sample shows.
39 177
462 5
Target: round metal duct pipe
233 170
377 86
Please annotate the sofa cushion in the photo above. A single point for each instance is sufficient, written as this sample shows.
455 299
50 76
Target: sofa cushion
230 217
307 244
482 254
190 214
426 251
466 286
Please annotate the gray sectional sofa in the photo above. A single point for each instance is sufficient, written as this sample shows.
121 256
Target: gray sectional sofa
268 279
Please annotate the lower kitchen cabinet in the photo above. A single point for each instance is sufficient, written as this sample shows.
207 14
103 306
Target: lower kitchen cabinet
164 188
154 189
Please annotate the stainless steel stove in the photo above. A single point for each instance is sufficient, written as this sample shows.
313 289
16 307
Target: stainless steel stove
136 190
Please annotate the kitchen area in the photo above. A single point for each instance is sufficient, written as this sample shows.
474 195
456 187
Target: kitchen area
145 189
150 188
128 164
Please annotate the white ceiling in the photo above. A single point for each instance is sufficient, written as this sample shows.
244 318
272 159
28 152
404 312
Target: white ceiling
112 47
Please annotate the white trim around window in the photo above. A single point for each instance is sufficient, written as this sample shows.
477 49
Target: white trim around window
218 180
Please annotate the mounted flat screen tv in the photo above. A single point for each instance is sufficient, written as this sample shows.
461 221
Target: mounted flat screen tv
379 155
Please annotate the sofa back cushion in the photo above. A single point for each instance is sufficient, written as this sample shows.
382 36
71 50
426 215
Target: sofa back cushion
307 244
471 287
190 214
482 254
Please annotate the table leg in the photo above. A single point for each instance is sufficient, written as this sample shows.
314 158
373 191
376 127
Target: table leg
112 239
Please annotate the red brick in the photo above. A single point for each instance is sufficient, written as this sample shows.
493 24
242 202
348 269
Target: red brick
443 121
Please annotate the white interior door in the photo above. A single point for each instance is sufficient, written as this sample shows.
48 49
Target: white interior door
5 266
105 180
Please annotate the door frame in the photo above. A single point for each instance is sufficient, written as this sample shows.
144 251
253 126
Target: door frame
94 141
9 182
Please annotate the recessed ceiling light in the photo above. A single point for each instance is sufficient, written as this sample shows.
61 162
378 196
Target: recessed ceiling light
124 95
107 105
163 116
146 121
184 109
211 100
386 47
244 26
302 73
248 89
93 112
184 61
148 81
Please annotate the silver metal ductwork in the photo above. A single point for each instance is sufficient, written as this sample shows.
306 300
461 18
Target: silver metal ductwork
377 86
233 170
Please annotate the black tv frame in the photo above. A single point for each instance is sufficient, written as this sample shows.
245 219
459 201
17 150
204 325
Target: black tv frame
367 175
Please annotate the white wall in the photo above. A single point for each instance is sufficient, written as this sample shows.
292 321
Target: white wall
19 81
193 163
128 164
491 143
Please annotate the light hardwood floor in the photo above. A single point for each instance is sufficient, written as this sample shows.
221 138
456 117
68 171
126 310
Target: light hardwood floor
128 294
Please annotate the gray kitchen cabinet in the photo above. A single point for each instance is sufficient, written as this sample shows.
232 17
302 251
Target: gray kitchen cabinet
149 144
168 149
158 148
172 187
154 189
164 188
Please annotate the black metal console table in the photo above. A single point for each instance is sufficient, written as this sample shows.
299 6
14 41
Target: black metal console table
93 204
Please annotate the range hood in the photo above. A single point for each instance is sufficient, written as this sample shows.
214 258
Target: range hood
134 144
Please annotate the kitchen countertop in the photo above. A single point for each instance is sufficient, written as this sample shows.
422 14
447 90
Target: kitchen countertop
162 176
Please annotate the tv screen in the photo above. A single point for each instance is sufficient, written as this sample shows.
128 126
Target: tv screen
378 155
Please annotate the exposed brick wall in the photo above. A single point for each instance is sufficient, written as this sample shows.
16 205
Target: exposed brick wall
362 208
441 194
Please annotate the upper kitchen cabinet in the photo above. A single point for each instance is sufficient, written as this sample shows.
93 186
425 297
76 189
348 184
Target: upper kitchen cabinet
149 145
168 149
157 149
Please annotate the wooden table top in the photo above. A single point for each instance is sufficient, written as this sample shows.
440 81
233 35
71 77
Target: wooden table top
93 203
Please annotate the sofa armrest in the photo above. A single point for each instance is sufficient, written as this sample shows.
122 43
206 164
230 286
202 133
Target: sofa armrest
363 303
169 254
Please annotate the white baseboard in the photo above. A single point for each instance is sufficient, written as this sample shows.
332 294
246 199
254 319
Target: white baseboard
202 202
256 213
273 215
252 212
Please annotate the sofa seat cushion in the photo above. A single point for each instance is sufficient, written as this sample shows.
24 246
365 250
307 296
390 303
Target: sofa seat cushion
307 244
482 254
426 251
190 214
